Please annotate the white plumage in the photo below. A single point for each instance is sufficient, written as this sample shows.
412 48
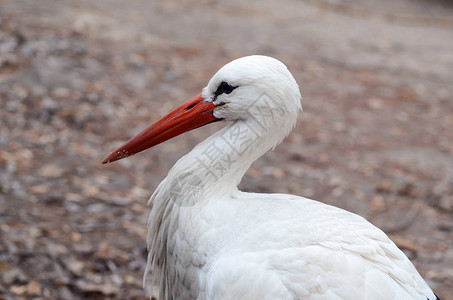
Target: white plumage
208 240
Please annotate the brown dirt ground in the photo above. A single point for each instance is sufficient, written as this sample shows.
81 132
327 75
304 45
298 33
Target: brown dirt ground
77 78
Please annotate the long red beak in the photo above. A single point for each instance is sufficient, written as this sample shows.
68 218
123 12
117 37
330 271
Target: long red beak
190 115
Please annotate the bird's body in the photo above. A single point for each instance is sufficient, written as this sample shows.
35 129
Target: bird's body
240 253
208 240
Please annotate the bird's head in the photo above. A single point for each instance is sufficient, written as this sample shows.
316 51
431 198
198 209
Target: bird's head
256 89
253 86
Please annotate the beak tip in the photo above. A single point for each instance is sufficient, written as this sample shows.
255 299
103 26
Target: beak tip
115 155
106 160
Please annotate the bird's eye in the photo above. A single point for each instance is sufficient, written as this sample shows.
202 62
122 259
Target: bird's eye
224 87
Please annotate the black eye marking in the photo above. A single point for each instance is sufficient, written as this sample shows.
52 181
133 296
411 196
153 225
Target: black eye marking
224 88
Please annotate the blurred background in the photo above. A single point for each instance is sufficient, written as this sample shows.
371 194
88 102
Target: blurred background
78 78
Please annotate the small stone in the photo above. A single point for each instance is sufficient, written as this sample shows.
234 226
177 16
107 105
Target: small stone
128 279
96 208
51 170
137 208
50 105
75 266
375 103
61 92
20 91
14 276
76 237
73 197
378 204
65 293
90 191
103 249
40 189
104 288
18 289
446 203
121 201
384 187
33 288
60 249
117 280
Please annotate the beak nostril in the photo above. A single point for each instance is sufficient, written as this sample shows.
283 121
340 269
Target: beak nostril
192 105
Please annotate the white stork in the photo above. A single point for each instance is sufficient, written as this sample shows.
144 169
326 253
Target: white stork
208 240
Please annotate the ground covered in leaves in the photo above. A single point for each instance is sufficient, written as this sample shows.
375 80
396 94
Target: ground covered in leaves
77 78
